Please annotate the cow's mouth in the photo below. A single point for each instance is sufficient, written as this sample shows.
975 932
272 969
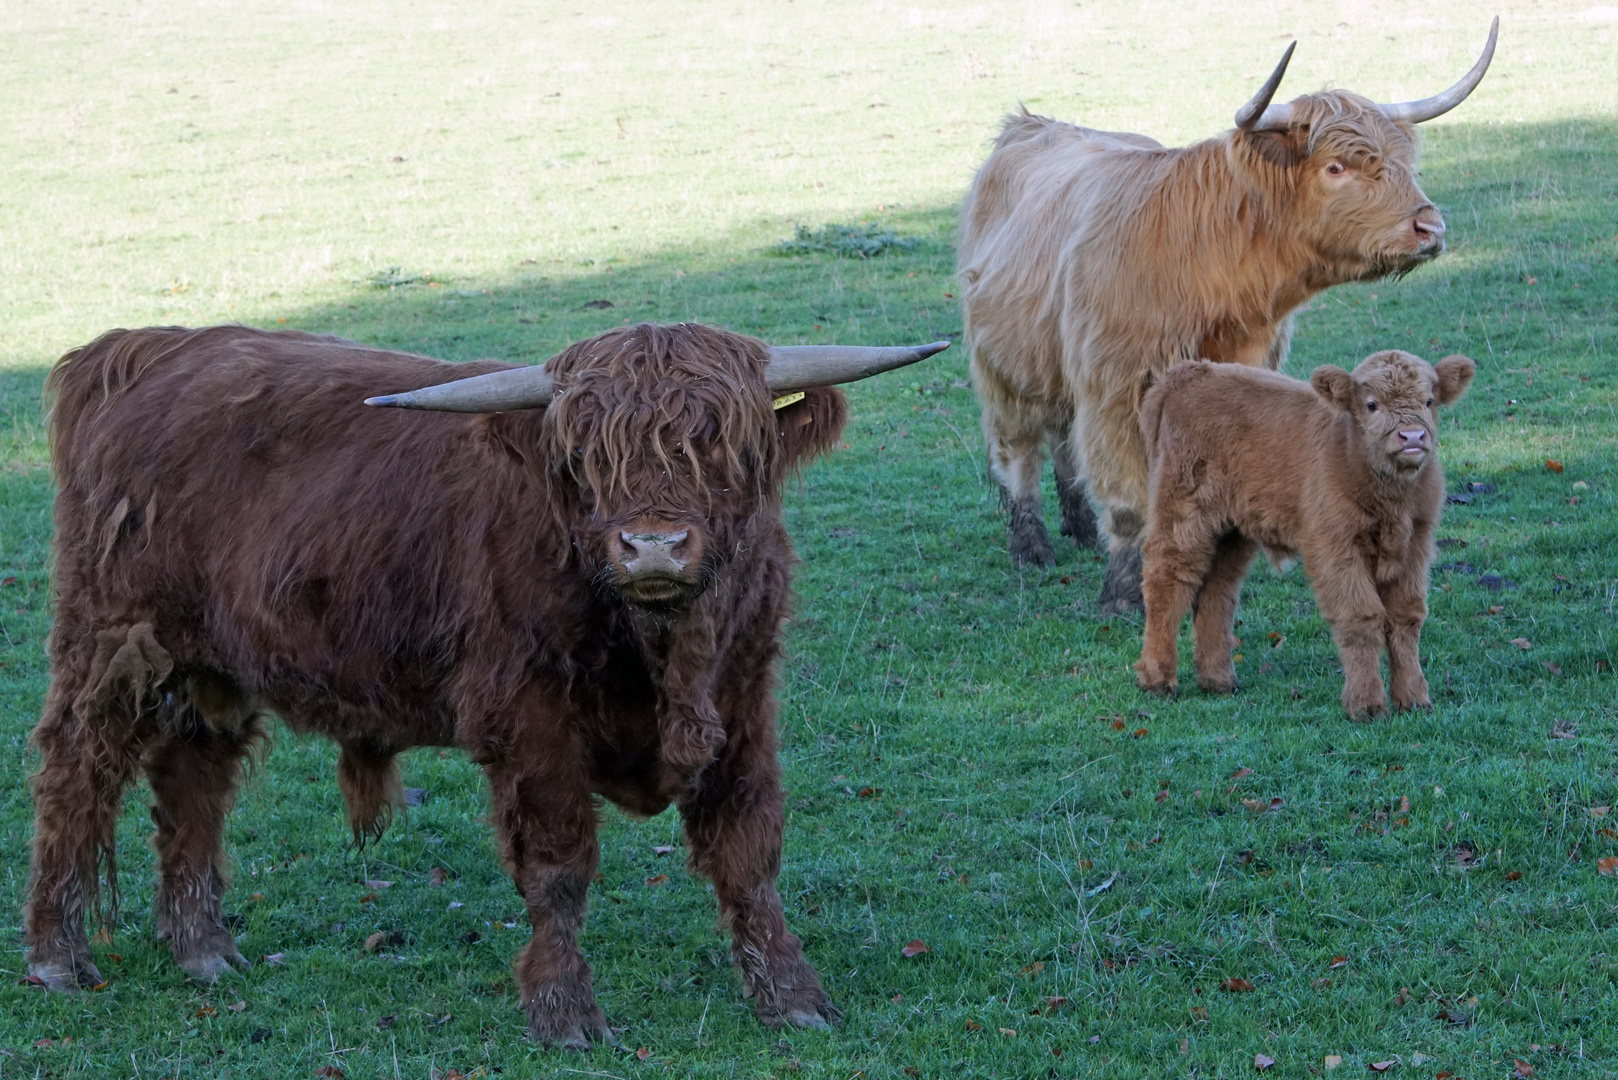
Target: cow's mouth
656 593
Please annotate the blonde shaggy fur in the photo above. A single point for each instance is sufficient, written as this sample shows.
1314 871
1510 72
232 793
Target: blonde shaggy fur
1090 261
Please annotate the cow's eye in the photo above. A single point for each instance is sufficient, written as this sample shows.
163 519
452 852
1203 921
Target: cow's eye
1429 403
1336 168
1370 404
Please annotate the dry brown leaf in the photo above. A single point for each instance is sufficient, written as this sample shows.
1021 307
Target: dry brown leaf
643 1053
1402 998
1599 811
1236 986
1521 1067
662 849
1241 772
1199 1014
1333 1061
1607 866
436 877
276 959
1382 1066
1262 1061
1513 875
378 886
657 880
376 941
1253 804
1522 643
1551 463
238 1007
915 948
1010 1033
1337 962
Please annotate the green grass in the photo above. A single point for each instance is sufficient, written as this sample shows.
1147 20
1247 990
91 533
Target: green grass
464 180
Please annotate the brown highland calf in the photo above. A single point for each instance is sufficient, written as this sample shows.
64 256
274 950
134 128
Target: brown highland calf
1341 470
1091 261
586 597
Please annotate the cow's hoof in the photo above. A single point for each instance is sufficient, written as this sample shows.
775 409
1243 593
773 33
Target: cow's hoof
798 1018
1079 523
65 980
1218 684
211 967
1033 552
1365 712
1120 589
573 1032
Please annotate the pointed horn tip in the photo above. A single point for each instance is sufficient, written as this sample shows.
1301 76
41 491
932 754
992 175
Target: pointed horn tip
386 400
932 349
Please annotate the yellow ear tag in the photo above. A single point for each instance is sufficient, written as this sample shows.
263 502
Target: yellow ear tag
787 399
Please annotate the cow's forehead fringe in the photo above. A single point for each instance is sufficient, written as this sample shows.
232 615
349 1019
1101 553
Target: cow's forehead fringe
1348 124
1397 374
643 397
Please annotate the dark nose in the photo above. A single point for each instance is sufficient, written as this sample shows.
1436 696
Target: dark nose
654 553
1414 439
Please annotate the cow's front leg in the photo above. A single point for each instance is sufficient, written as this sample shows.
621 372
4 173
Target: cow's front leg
1406 610
733 822
545 823
1348 600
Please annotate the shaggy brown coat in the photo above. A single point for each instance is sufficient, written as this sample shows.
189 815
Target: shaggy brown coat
236 533
1341 470
1091 261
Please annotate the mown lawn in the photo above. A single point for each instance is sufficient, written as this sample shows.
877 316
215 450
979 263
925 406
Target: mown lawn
969 762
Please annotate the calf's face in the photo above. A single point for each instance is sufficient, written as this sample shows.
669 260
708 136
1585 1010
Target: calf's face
1393 398
669 450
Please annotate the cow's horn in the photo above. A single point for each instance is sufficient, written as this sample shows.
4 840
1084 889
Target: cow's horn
518 388
1258 114
1415 112
798 367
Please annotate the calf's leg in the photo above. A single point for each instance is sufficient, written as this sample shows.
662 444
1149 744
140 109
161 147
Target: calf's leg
193 772
546 827
733 822
1405 602
1214 621
1177 564
1349 603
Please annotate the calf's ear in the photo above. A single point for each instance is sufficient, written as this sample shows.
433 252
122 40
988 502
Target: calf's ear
1335 385
812 425
1454 376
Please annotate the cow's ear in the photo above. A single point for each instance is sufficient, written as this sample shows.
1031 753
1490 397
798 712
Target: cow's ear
1335 385
1283 149
1454 376
812 425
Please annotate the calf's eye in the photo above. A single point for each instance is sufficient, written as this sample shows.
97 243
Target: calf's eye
1370 406
1336 168
1429 403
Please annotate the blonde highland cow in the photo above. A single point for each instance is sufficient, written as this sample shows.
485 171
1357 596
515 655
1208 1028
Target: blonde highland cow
1090 261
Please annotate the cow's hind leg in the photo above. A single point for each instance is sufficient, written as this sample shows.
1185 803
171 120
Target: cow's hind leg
86 764
1016 444
1078 516
733 821
193 772
1215 617
1107 434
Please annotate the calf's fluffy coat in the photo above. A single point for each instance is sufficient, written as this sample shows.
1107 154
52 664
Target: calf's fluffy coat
1342 470
587 598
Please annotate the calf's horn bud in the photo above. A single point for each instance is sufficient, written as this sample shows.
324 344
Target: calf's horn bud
1415 112
792 367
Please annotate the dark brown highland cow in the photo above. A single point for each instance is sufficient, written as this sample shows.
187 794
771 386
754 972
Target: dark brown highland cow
1342 470
586 597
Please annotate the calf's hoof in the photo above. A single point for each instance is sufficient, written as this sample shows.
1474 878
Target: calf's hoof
1120 590
1153 680
1222 683
1366 710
